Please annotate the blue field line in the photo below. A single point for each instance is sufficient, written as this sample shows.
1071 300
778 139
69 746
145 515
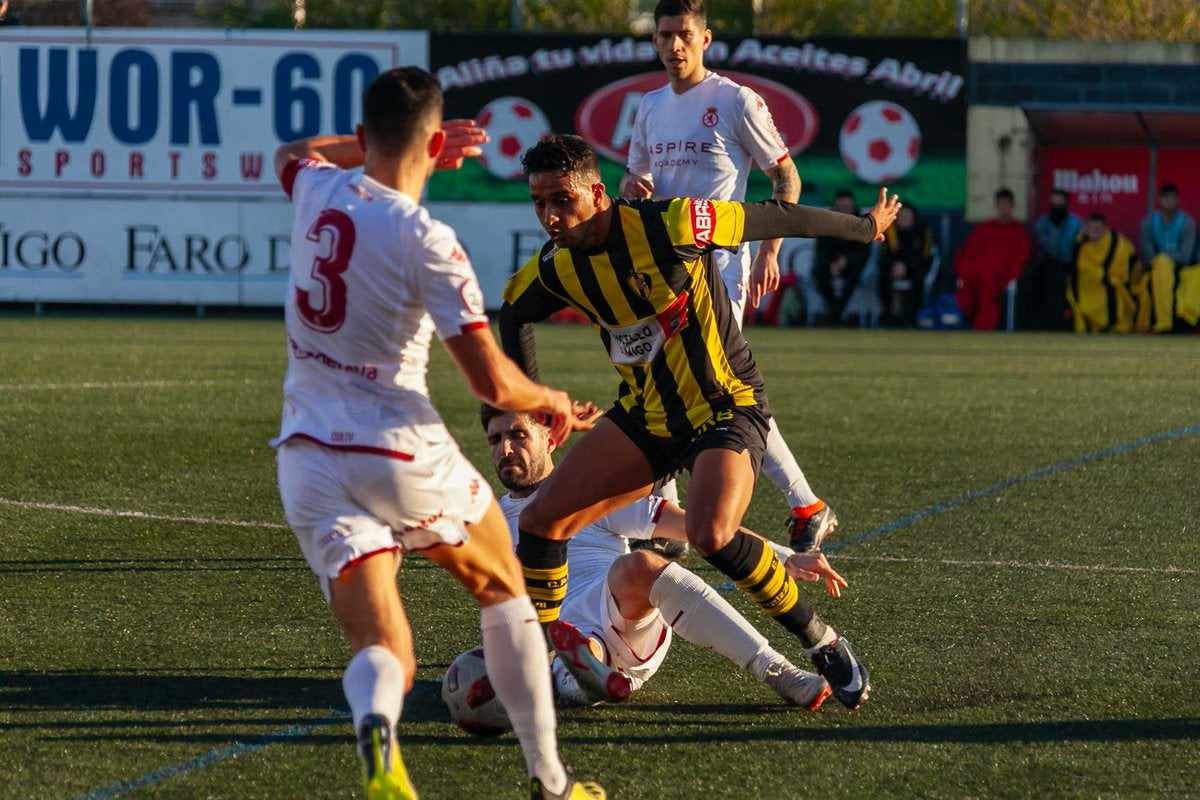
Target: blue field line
995 488
212 757
999 486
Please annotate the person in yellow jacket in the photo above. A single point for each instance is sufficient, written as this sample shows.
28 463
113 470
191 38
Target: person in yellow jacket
1107 286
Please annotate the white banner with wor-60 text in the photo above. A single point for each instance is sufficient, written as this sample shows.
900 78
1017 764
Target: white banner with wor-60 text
185 112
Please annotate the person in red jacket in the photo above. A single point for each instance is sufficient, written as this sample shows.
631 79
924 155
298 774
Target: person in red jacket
993 254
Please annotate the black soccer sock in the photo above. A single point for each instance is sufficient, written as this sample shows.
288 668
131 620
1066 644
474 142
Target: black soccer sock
544 564
754 567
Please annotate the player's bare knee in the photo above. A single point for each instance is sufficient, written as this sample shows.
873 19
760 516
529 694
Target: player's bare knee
641 568
709 538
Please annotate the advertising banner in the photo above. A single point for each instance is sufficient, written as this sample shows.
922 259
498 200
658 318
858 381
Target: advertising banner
855 113
196 111
1114 181
205 253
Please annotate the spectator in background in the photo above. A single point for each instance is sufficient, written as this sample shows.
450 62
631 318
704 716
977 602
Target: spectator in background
1168 239
991 257
904 260
839 263
6 15
1042 301
1107 288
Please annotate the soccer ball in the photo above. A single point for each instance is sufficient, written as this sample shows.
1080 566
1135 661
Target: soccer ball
880 142
468 694
514 125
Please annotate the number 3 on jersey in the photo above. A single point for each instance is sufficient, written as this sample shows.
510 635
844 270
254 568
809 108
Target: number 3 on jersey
328 314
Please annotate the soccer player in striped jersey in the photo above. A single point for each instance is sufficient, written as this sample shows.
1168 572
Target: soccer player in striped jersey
699 136
367 468
622 608
690 396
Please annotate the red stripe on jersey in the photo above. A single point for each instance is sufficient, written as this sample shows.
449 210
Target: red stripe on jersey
473 326
287 178
354 562
353 448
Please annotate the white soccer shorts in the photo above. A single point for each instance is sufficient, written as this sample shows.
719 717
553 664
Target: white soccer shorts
344 505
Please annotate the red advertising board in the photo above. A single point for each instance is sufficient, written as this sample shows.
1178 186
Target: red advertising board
1114 181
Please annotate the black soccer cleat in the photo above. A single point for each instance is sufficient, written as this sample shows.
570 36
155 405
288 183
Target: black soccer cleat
847 676
806 533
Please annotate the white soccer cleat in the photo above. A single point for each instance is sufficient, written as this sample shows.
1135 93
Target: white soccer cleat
796 686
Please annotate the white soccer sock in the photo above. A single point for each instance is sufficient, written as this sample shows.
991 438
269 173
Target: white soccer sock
780 466
514 651
697 613
829 637
374 684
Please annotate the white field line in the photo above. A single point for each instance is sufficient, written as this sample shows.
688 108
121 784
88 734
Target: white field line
34 387
109 512
1055 565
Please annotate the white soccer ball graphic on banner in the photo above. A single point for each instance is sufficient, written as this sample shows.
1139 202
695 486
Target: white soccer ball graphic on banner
514 125
880 142
468 693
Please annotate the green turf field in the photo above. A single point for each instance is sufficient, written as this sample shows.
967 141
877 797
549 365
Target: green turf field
160 636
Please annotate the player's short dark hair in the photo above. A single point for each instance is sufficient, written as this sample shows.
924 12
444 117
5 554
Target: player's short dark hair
677 8
488 413
565 153
840 193
396 105
1005 193
1061 193
1096 216
1168 188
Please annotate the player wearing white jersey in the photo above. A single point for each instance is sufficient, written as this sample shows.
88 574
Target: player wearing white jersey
629 603
697 137
367 469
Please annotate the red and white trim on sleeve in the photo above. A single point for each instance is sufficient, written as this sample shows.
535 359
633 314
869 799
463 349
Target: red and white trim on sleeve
474 326
287 178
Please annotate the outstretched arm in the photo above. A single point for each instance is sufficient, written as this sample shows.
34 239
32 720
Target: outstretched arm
497 381
775 220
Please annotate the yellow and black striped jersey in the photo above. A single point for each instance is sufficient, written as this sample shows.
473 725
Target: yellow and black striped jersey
659 304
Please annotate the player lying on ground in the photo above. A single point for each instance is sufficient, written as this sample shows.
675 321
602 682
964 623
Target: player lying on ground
366 466
691 396
627 604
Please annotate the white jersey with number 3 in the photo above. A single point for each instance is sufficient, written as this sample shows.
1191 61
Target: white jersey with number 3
372 278
702 143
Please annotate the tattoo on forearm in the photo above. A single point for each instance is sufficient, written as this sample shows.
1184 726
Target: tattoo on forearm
785 182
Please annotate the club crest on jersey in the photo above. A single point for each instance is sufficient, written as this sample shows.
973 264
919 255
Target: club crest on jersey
640 284
710 118
702 222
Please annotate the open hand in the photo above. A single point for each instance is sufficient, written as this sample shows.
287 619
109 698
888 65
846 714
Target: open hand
635 187
463 138
812 567
884 212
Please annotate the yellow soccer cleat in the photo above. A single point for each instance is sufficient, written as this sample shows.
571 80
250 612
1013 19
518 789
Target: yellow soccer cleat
384 775
576 790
